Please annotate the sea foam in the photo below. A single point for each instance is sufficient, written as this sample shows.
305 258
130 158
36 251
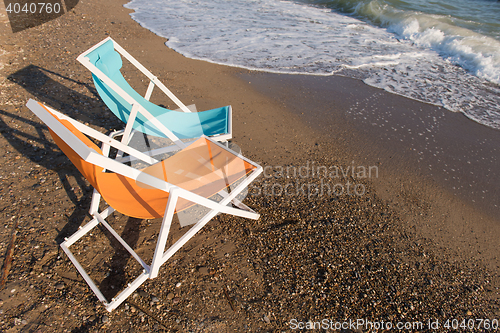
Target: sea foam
417 55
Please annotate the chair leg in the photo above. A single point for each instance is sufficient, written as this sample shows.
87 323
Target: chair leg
99 218
94 203
161 256
82 231
115 302
163 235
186 237
234 201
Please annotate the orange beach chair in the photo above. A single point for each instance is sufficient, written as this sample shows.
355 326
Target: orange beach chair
191 176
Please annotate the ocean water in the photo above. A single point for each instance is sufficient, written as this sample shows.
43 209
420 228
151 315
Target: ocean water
443 52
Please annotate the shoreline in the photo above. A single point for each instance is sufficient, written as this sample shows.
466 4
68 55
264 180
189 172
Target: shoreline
369 256
411 143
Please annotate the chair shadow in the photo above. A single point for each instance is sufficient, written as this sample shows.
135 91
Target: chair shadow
49 157
37 82
43 88
62 97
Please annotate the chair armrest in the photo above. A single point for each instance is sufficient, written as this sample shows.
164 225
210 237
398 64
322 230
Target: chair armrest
106 140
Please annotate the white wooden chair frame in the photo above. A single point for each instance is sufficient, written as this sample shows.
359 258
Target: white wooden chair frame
136 106
160 255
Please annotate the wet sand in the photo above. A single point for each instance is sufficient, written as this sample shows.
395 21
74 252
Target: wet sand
425 154
406 248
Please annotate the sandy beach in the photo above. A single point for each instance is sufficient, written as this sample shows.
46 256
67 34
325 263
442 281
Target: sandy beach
402 228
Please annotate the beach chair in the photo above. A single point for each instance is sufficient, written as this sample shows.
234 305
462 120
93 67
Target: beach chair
104 61
193 175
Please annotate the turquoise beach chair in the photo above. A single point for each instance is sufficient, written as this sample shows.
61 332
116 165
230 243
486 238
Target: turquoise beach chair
104 61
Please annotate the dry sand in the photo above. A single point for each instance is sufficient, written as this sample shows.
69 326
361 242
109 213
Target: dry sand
406 250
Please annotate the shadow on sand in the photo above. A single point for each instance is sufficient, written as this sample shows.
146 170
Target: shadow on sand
28 138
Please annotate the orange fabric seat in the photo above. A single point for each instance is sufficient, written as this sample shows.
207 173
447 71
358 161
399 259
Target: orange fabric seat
203 168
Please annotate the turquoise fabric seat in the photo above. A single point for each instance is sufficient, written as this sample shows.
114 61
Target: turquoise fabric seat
184 125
